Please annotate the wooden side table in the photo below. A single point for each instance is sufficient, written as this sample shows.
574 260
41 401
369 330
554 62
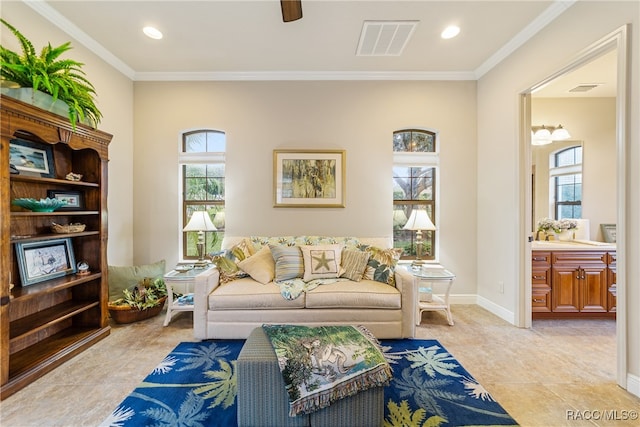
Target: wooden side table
427 278
181 282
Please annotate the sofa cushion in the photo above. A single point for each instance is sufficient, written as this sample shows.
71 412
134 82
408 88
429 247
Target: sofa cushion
382 264
247 294
349 294
354 262
288 259
321 261
260 266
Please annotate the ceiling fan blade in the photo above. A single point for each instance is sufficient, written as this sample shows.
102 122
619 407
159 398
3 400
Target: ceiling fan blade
291 10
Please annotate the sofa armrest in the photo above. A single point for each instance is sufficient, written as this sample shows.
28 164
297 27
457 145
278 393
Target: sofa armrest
404 284
205 283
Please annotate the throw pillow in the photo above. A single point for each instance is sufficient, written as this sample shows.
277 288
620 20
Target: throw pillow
228 269
288 259
124 277
382 264
354 262
241 251
321 261
260 266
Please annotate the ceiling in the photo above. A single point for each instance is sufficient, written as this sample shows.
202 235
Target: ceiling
248 40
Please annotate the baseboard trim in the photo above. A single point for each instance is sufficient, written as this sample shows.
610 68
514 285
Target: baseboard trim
633 384
499 311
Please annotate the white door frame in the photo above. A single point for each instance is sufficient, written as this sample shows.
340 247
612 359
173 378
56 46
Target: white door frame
618 41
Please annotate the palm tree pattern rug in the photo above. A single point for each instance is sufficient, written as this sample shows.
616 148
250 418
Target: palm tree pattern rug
195 385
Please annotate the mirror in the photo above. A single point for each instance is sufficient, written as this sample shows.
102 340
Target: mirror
590 118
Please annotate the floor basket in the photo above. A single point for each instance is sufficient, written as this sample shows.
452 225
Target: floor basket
126 314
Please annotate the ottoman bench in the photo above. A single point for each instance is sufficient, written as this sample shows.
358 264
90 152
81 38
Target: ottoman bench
263 401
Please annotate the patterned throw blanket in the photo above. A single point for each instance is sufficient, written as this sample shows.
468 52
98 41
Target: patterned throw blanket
323 364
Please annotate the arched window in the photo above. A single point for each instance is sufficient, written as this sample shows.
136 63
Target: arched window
565 176
202 176
415 168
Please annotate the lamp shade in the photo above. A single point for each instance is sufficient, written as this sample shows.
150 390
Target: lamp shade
200 221
560 134
419 220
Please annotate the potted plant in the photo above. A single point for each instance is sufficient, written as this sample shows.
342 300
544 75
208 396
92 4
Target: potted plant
145 300
63 79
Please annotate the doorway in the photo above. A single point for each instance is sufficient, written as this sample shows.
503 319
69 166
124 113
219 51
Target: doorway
614 42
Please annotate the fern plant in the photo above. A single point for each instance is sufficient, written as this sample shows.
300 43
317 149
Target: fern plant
63 79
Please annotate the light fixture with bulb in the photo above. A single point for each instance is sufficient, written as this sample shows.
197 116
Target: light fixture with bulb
542 135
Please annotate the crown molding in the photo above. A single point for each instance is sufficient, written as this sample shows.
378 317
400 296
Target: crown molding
303 75
49 13
545 18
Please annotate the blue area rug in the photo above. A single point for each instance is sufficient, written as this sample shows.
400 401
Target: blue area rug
195 385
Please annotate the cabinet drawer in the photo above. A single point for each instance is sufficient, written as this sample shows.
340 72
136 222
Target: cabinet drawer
541 302
579 257
612 258
540 258
541 276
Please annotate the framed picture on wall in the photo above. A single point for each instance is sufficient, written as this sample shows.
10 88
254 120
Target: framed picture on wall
309 178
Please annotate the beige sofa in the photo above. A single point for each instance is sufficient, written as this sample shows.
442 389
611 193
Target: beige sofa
233 309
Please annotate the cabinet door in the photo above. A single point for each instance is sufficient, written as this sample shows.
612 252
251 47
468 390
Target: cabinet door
565 289
611 288
593 290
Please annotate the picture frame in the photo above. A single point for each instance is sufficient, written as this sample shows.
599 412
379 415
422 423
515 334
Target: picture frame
32 157
608 232
309 178
43 260
74 199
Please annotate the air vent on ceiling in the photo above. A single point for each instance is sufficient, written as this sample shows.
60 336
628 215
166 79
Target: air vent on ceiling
585 87
384 38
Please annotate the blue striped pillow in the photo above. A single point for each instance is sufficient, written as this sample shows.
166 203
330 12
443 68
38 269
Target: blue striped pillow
288 259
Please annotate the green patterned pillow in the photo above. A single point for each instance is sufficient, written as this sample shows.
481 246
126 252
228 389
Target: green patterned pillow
354 263
242 251
288 259
382 264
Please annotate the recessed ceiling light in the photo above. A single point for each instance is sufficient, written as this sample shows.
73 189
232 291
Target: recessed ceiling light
154 33
450 32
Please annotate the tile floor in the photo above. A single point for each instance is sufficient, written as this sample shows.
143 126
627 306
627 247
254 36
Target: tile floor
539 375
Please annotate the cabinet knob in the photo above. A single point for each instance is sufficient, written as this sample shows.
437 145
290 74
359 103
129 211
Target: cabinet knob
539 277
538 300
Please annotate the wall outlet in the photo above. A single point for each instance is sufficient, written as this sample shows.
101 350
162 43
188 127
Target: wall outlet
501 287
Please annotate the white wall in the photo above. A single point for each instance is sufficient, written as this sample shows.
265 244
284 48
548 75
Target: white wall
498 144
592 122
115 101
259 117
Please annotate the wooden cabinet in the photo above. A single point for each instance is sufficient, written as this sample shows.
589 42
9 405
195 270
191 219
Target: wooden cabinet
44 323
578 283
541 282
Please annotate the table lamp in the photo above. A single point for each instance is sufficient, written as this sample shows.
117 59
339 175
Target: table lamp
200 222
418 221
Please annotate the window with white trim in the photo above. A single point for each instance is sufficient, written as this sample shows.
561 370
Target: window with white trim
415 174
202 184
565 175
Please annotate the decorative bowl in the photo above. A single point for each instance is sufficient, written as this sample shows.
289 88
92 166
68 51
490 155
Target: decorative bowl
42 205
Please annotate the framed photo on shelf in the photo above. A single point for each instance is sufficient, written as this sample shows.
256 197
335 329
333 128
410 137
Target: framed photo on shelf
74 199
309 178
32 157
608 232
44 260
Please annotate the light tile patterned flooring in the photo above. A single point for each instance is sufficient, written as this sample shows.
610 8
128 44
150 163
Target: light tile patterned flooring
540 376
